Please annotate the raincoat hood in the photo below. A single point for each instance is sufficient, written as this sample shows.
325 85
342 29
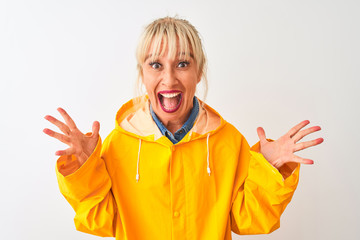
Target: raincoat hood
134 119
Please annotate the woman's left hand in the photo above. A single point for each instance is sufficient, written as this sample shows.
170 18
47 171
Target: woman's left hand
282 150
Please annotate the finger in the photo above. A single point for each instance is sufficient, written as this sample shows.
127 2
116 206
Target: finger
68 119
66 152
65 129
298 136
304 145
297 128
58 136
95 129
302 160
261 134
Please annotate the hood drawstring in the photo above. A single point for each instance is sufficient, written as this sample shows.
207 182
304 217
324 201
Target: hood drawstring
137 165
207 156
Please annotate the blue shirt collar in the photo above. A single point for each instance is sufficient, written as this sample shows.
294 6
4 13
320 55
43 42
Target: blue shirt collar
179 134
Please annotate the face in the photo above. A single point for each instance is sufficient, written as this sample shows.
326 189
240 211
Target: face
170 85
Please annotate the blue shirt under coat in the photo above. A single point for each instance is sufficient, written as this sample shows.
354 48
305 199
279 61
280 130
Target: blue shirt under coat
179 134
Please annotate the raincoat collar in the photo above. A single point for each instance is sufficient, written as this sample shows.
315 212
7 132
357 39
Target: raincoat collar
134 118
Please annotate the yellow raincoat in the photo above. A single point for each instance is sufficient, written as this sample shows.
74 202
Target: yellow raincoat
139 185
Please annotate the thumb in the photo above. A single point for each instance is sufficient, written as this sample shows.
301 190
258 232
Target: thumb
261 134
95 129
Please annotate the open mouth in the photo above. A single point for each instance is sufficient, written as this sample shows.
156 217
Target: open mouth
170 101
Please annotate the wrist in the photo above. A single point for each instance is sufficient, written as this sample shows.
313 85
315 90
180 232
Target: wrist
82 158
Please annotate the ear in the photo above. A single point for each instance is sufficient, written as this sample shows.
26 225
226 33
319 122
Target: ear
141 71
199 78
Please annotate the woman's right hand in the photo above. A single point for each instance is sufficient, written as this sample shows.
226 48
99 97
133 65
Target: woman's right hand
80 145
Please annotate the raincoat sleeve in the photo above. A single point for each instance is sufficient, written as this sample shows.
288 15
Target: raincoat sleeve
262 192
88 190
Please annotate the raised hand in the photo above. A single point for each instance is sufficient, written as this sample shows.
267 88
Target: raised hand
282 150
80 145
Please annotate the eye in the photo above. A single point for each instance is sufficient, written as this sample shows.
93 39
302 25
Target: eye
155 65
183 64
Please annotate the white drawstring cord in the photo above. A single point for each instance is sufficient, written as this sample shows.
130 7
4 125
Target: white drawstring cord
137 166
207 157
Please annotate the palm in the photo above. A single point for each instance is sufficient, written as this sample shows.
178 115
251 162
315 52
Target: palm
282 150
81 145
80 142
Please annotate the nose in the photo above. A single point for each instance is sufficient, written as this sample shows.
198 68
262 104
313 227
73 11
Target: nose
169 78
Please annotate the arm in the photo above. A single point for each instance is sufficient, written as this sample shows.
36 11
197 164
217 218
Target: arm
262 193
88 190
271 173
83 178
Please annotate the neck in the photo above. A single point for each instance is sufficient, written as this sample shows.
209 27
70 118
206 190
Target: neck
174 126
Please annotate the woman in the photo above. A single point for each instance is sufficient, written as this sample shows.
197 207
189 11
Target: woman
173 168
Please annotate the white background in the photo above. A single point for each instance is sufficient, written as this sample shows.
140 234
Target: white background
271 64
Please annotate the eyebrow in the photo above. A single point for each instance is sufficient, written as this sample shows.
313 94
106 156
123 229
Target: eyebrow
183 53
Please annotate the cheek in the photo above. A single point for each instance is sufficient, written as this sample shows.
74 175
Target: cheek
192 83
150 87
148 82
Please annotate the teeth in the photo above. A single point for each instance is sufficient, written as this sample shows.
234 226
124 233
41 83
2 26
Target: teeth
169 95
169 109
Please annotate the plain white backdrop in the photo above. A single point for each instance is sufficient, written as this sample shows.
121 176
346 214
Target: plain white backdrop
271 64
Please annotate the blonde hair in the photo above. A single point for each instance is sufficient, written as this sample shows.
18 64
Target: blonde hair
171 33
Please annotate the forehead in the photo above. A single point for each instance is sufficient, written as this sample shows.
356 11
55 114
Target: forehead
171 48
